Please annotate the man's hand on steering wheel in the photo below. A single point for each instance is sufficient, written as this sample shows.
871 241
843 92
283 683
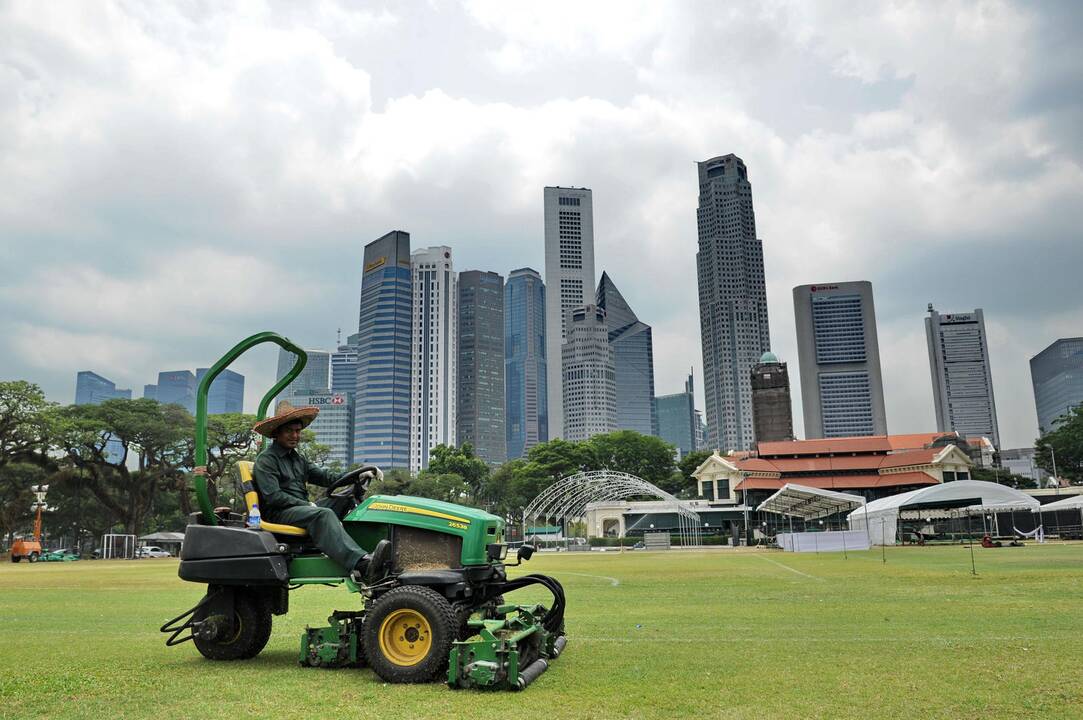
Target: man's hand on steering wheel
355 482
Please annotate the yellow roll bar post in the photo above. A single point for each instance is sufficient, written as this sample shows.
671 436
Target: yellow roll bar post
240 348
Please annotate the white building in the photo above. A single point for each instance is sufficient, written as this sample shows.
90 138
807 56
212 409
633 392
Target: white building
962 381
433 357
590 380
569 280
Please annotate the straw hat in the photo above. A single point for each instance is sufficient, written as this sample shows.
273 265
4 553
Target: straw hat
286 413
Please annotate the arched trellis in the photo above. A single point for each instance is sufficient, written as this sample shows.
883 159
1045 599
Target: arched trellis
566 500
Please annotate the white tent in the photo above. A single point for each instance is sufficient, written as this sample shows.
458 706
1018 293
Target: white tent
1075 502
952 499
809 503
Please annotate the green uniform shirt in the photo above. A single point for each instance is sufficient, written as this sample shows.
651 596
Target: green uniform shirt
281 474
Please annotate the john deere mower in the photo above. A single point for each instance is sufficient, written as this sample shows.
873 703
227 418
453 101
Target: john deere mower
437 611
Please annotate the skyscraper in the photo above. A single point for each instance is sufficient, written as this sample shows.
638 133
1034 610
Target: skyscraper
226 394
842 393
633 360
589 383
333 427
677 422
177 387
525 377
434 375
344 366
772 412
732 299
315 375
569 278
382 402
962 381
480 387
1057 376
92 389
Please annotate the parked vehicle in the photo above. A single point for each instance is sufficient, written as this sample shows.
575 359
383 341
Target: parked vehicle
152 551
59 555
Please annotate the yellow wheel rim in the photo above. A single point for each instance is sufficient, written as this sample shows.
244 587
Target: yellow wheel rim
405 637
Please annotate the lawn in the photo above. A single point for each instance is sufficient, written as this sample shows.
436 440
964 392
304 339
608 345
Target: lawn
712 634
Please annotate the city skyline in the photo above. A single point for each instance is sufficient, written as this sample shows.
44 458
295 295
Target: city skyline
870 160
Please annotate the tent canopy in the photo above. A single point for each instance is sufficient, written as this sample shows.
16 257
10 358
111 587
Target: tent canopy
163 537
1075 502
809 503
950 499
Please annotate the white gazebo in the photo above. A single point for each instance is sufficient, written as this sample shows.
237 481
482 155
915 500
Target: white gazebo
809 503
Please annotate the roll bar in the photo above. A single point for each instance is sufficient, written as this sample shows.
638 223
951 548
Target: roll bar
239 349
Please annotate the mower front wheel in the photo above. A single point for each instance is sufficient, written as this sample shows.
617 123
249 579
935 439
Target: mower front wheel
251 630
33 557
408 634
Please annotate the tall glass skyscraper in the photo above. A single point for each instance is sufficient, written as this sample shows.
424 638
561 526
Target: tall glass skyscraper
842 393
962 380
91 389
589 382
633 360
732 300
315 376
434 378
480 414
226 394
382 402
177 387
1057 376
569 279
525 380
677 422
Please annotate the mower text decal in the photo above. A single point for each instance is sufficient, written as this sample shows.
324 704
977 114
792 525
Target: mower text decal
457 525
459 522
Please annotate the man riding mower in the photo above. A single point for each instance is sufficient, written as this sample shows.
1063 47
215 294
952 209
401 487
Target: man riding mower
431 585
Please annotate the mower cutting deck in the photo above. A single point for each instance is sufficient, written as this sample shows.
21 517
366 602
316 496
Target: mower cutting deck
435 612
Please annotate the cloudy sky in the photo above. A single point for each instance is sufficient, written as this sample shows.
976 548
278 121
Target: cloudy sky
176 176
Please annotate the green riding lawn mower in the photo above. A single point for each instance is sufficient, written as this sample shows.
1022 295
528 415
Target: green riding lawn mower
435 611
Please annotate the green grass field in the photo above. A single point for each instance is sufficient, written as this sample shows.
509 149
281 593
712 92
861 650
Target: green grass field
713 634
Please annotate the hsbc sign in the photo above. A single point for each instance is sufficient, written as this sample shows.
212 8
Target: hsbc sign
320 400
821 288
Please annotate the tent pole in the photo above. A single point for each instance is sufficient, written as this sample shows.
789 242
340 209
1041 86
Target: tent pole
973 568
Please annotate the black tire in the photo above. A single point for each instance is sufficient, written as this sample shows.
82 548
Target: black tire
420 653
252 617
33 557
15 558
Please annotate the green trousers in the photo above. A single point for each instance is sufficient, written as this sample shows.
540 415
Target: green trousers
326 531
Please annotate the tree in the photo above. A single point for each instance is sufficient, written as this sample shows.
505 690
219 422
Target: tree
15 496
448 487
559 458
229 439
395 482
1065 440
461 461
23 426
628 451
157 436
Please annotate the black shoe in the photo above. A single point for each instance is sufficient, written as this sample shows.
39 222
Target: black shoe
373 566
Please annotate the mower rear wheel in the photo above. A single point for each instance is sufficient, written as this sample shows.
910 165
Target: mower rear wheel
408 634
33 557
251 631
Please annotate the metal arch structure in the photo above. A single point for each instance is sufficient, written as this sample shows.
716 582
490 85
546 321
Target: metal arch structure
566 500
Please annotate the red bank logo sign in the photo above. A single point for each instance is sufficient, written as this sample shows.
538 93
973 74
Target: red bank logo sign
814 288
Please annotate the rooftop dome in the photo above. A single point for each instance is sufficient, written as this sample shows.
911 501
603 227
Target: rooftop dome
768 357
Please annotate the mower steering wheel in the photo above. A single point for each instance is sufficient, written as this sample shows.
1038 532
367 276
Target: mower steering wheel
358 478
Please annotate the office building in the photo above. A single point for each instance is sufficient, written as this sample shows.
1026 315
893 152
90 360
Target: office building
732 299
344 366
589 383
569 279
480 386
677 419
226 394
333 427
1020 461
772 412
150 392
962 381
382 400
633 360
1057 376
526 400
316 375
434 376
177 387
842 393
92 389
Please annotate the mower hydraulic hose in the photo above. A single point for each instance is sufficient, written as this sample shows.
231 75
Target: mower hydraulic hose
554 619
